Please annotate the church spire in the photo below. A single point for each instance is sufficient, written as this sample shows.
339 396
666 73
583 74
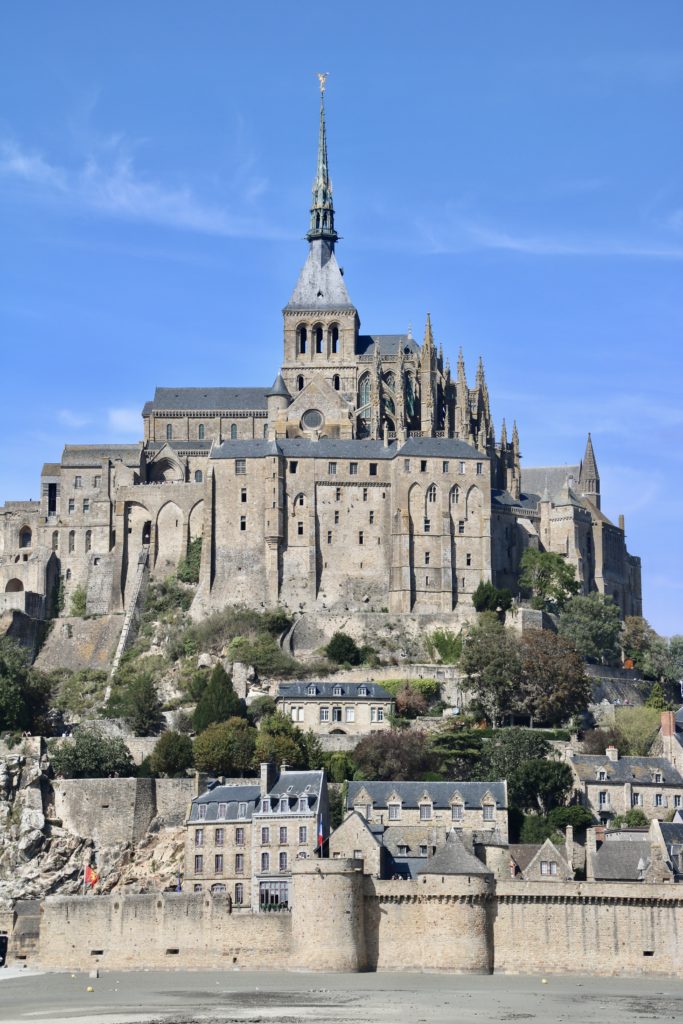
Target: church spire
589 478
322 210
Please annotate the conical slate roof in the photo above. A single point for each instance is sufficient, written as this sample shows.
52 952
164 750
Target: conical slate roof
320 284
454 859
279 388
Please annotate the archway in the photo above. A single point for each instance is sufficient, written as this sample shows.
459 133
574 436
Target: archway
14 586
197 520
169 537
25 537
166 471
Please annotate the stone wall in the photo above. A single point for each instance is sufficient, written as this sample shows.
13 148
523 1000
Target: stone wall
113 811
173 798
76 644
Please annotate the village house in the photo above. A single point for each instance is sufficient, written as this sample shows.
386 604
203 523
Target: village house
355 709
241 840
541 862
609 785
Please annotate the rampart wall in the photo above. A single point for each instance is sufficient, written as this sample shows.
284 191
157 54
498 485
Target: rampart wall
344 920
113 811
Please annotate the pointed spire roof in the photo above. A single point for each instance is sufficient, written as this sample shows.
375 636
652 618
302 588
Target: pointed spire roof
515 436
322 209
480 373
279 388
589 467
503 435
461 368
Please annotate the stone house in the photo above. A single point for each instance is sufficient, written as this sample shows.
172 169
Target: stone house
609 785
669 741
357 840
355 709
242 840
625 855
540 862
667 837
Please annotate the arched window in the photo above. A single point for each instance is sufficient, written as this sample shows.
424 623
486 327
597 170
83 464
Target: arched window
390 381
55 540
68 574
301 343
201 432
198 476
265 431
431 492
318 333
265 862
233 431
72 541
169 431
299 383
364 390
88 540
334 339
455 495
336 382
25 538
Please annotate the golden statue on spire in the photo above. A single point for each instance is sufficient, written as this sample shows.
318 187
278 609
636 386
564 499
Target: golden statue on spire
322 78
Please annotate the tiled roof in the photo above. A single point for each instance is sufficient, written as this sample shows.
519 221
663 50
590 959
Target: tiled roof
93 455
626 769
290 784
389 344
618 861
524 853
440 793
331 448
51 469
535 479
454 859
325 691
211 399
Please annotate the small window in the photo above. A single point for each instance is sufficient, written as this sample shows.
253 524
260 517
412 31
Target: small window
233 431
444 467
201 433
362 691
312 690
461 468
380 714
336 714
240 467
300 529
239 893
549 867
332 468
334 339
86 505
300 383
337 691
218 864
239 836
78 483
319 340
265 836
350 714
427 525
303 834
284 805
302 340
72 541
283 861
489 812
335 381
169 431
239 863
329 536
394 812
219 836
406 465
353 469
461 526
68 574
55 540
265 862
402 850
423 851
423 465
303 806
72 505
468 559
265 431
242 810
336 518
360 536
198 864
371 517
602 775
201 812
199 837
97 482
659 800
373 469
222 810
425 812
324 714
365 494
337 494
603 798
88 540
293 466
480 468
457 812
677 801
426 557
243 523
283 835
198 476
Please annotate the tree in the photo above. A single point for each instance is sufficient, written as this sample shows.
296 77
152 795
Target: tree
487 598
490 660
457 752
218 701
675 660
141 709
592 624
280 742
540 785
580 818
509 749
188 570
410 703
92 755
393 756
549 577
634 818
656 698
637 728
554 685
596 741
646 649
339 766
260 708
225 748
78 603
24 693
312 750
172 754
343 650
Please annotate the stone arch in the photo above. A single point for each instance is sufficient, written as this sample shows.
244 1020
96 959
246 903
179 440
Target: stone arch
333 338
138 524
196 520
301 339
431 499
318 339
473 502
169 545
416 504
14 586
454 495
25 537
166 470
299 502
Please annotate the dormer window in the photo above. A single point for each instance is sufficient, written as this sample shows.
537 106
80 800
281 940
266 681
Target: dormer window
337 691
457 812
201 812
402 850
658 777
312 690
425 812
394 811
284 805
222 810
265 805
489 811
362 691
303 803
242 810
602 775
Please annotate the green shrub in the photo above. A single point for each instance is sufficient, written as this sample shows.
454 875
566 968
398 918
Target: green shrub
429 688
78 601
225 748
92 755
487 598
343 650
448 645
188 570
172 755
218 701
635 818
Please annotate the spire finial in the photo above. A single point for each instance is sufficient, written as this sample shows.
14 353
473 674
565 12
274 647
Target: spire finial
322 210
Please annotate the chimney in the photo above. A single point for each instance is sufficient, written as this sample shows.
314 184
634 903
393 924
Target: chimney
668 723
612 753
569 845
591 850
267 777
284 768
622 524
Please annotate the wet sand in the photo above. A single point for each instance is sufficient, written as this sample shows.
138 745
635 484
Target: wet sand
213 997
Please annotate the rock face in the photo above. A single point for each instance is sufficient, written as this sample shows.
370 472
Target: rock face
39 857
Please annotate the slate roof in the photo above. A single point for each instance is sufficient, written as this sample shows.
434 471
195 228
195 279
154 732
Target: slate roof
389 344
291 784
505 499
179 446
536 478
618 861
324 691
524 853
672 832
440 793
211 399
279 388
92 455
321 283
51 469
454 859
626 769
332 448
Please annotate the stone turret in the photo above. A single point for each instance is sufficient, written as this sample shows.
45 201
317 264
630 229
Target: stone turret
328 928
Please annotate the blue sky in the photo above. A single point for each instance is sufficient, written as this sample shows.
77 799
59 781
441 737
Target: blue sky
516 169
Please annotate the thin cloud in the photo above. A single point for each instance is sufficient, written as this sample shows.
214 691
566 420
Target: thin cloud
539 245
124 421
110 185
73 419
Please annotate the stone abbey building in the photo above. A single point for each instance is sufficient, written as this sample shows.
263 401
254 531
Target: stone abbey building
368 477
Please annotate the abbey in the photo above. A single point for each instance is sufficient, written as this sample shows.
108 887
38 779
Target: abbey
368 477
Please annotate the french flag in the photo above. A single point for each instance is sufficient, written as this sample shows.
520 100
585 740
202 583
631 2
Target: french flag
321 836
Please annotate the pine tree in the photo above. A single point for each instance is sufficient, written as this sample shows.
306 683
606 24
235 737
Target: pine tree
218 702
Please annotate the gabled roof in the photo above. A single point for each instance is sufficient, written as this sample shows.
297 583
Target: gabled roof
535 479
619 861
324 691
626 769
210 399
91 456
454 859
440 793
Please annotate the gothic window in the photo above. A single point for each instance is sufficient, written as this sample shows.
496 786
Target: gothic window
169 431
55 540
318 333
72 541
455 495
391 381
198 476
431 492
300 383
410 396
201 432
302 336
364 391
336 382
233 431
334 339
25 538
88 540
265 431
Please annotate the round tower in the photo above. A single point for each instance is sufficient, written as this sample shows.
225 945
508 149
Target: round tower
328 927
278 399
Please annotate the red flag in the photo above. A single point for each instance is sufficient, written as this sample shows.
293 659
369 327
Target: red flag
91 876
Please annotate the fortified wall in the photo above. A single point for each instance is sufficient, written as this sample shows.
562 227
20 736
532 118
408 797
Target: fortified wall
343 920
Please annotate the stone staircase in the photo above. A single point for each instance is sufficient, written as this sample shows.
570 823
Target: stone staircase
130 619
